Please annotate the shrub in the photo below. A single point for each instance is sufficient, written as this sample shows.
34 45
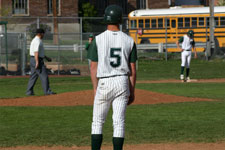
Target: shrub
31 29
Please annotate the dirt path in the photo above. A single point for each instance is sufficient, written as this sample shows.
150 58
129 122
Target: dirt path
170 146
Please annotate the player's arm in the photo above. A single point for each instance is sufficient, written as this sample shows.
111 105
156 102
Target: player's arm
178 43
36 59
93 56
94 78
36 54
132 77
194 49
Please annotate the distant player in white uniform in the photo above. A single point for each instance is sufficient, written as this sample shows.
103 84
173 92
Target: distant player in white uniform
188 44
113 57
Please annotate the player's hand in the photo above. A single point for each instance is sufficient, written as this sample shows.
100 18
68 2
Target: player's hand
181 50
131 99
36 65
95 92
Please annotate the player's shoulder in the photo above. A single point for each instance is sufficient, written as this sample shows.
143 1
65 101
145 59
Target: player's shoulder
101 34
128 37
185 36
36 40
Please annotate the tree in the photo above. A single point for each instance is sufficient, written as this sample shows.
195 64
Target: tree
87 10
221 3
5 11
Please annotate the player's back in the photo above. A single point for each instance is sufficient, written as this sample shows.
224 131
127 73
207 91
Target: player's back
114 49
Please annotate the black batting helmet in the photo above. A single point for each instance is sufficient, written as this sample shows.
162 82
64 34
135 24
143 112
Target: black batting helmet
190 33
113 14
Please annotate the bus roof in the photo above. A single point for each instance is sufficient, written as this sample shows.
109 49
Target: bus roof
175 11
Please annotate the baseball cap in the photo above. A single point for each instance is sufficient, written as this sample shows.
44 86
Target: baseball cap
40 31
91 36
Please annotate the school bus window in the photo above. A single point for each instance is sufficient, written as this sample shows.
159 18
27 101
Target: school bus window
160 23
147 23
180 22
173 23
187 22
140 23
207 21
201 21
167 23
133 24
216 21
153 22
194 22
222 21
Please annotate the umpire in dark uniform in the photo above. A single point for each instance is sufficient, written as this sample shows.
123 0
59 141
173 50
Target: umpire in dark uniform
37 65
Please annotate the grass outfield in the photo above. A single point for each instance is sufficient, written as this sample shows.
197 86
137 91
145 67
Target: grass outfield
200 69
161 123
203 90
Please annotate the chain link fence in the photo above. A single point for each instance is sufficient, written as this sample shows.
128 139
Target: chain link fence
64 42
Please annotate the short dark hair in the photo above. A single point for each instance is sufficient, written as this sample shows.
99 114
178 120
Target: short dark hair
40 31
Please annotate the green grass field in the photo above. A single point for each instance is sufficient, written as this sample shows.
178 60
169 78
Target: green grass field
160 123
200 69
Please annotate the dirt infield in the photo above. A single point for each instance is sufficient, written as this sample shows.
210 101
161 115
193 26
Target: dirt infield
86 98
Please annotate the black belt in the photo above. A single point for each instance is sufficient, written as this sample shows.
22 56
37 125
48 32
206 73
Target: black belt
38 57
112 76
188 50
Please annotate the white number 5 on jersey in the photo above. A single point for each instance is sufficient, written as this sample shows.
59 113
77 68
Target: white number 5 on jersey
115 57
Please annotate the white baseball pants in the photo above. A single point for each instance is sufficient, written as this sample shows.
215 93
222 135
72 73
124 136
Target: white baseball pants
186 59
115 91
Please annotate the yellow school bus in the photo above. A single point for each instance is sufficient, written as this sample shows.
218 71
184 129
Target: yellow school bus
168 25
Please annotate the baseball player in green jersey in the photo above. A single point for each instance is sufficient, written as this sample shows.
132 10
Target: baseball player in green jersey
87 45
188 44
113 57
91 37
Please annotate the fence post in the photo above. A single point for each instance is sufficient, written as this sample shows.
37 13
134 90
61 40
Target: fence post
58 48
23 49
1 48
136 38
166 39
207 43
38 23
81 40
6 46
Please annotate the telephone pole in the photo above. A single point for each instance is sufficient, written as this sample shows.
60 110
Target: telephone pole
146 4
55 22
211 24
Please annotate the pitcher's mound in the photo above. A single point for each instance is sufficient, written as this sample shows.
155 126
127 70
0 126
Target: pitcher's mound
86 98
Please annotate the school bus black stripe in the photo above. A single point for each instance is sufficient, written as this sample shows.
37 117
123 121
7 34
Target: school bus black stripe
178 28
155 37
180 33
